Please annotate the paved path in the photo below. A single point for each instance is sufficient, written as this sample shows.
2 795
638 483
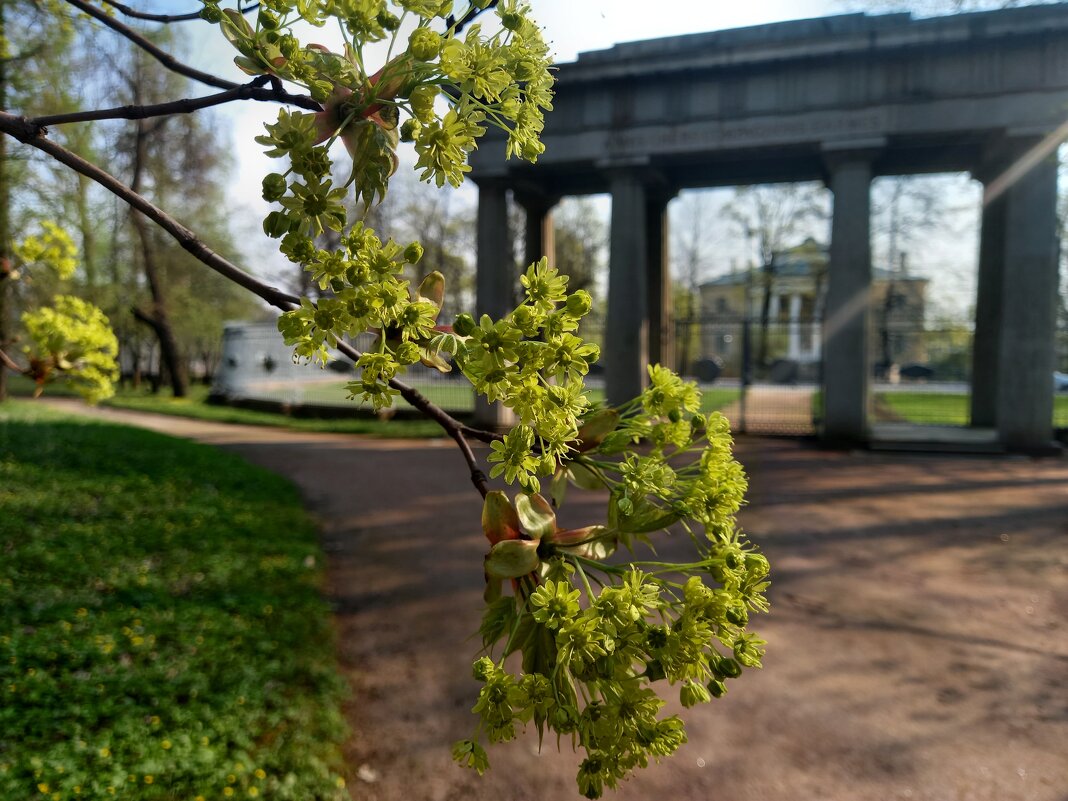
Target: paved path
918 637
774 409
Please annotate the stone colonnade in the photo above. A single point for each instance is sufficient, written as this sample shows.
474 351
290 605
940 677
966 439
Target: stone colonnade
1013 355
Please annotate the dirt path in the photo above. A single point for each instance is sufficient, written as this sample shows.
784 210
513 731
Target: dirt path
918 636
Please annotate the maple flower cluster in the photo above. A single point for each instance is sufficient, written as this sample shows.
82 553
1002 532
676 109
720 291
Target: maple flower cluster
593 659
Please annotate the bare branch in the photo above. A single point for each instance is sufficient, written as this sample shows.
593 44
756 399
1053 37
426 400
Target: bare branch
28 133
14 367
167 18
255 90
163 57
457 25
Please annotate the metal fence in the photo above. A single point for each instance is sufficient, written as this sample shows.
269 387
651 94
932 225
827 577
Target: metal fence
257 366
764 378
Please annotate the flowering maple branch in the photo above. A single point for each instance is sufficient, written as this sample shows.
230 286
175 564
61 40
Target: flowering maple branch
254 90
29 133
167 18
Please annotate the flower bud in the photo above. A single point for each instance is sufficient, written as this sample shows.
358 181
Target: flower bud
297 247
410 129
274 187
464 325
387 20
756 565
276 224
728 668
406 353
413 253
737 615
579 303
511 21
267 20
526 320
424 44
483 668
716 688
422 99
211 13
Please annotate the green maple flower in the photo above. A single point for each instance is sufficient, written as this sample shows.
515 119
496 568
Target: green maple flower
317 205
553 604
442 146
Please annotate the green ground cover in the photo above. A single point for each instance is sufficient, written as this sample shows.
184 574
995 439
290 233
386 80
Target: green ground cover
162 634
452 398
196 406
945 408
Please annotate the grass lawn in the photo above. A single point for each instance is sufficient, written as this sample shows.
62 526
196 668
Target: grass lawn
946 408
452 398
716 399
162 635
197 407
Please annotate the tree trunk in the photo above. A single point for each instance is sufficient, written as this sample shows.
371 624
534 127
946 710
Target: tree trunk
5 212
156 318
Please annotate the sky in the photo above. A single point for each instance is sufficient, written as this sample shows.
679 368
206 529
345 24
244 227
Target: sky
572 27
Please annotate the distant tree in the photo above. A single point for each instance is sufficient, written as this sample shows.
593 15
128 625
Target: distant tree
581 238
772 217
691 260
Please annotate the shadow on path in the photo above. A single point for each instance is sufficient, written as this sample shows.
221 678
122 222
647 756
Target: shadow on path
918 644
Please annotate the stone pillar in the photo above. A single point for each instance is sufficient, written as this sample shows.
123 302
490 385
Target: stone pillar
793 348
495 278
846 369
985 344
1027 318
538 240
658 281
625 352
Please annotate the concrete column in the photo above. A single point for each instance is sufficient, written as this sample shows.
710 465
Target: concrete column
846 371
538 239
793 348
774 306
985 345
1028 312
658 281
495 278
627 324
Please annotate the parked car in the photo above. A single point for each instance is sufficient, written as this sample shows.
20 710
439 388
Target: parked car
1060 382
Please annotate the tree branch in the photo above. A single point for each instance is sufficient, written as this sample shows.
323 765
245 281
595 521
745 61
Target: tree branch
28 133
254 90
457 25
14 367
163 57
167 18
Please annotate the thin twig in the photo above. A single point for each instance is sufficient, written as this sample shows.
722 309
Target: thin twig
14 367
163 57
255 90
456 26
26 132
167 18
